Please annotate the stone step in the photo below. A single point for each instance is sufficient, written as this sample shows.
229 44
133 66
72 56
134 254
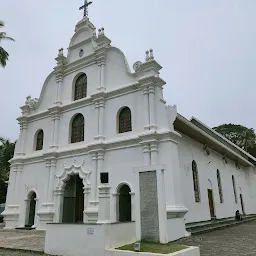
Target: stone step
25 228
218 224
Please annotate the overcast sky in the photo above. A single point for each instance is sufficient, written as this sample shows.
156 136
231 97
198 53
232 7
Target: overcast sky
207 49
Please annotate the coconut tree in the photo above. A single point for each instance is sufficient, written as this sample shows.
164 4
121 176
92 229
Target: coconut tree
6 153
3 53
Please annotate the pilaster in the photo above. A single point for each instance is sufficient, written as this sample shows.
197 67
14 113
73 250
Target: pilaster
55 117
99 103
104 204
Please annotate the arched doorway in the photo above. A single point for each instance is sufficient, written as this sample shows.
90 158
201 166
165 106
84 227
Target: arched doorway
73 204
124 204
31 210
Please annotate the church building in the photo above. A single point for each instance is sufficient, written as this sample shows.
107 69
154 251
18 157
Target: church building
100 145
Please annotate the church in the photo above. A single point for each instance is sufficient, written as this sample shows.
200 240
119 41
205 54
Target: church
101 146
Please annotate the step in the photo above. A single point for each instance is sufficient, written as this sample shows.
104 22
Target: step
203 229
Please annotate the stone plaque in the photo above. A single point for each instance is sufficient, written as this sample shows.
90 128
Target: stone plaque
149 206
90 231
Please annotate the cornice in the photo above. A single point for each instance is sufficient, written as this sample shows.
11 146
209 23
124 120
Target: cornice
80 64
135 140
88 40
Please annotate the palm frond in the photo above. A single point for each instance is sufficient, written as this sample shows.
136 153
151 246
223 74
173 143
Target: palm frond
1 23
3 57
4 36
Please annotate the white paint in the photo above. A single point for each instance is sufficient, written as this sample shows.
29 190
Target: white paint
87 239
153 144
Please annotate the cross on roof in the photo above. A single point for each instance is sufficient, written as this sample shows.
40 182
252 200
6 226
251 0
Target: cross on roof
85 7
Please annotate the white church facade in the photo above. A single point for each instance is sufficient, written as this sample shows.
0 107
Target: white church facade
100 145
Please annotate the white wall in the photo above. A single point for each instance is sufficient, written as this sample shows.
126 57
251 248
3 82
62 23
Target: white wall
190 150
87 240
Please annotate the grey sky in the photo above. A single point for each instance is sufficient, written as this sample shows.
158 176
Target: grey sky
206 48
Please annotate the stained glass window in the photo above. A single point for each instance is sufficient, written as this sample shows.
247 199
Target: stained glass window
40 140
125 120
77 133
196 182
220 186
234 188
81 87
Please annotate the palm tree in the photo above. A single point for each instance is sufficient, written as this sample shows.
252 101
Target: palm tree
6 153
3 54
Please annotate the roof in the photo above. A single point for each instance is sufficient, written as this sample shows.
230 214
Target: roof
207 136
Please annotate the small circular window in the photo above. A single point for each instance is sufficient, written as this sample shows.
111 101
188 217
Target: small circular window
81 53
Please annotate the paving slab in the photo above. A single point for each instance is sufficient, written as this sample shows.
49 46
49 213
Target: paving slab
237 240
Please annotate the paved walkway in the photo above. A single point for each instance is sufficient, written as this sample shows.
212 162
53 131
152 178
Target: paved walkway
238 240
235 241
22 239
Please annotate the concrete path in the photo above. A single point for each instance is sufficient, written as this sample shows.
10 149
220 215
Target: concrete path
238 240
19 239
235 241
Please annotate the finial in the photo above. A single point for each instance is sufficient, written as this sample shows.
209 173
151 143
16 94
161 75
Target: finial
147 56
151 54
60 52
101 31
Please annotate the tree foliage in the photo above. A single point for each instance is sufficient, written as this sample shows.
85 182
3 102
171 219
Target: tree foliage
3 53
240 135
6 153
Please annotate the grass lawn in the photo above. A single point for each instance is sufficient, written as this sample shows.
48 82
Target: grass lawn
155 247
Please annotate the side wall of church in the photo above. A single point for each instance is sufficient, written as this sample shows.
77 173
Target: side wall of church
207 166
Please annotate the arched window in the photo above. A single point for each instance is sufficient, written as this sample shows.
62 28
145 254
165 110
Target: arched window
220 186
81 87
125 120
40 140
196 182
234 188
77 129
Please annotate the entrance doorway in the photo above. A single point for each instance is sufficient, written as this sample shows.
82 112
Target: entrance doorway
124 207
73 204
242 203
31 210
211 203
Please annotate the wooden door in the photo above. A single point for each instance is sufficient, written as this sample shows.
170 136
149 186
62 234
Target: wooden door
242 203
211 204
32 210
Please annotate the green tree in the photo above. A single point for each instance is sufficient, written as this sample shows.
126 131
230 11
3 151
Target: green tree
240 135
3 53
6 153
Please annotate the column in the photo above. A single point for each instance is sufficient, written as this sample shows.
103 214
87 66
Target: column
87 191
58 96
51 180
14 188
152 109
133 206
104 204
102 80
18 184
97 113
99 75
56 129
146 108
23 132
48 166
53 130
101 118
146 154
154 153
59 196
94 176
100 166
